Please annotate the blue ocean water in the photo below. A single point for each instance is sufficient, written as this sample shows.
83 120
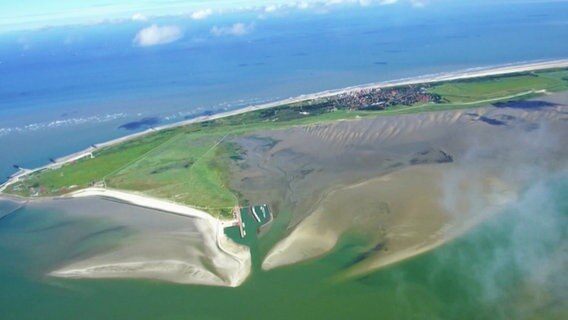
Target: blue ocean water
62 89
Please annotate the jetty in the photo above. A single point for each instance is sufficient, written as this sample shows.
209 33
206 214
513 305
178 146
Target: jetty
237 215
250 219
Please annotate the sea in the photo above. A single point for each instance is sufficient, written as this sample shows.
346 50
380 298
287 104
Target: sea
63 89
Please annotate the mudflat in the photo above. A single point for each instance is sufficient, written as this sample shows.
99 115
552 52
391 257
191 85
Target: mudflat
405 184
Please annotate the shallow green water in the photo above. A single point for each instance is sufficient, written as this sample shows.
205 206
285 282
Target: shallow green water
512 267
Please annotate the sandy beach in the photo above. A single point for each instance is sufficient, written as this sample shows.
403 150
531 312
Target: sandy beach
229 263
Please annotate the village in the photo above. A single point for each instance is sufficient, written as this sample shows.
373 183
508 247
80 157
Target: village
382 98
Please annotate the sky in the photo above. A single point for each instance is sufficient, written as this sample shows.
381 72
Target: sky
37 14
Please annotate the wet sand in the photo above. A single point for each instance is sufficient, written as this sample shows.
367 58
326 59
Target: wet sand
407 184
171 243
400 214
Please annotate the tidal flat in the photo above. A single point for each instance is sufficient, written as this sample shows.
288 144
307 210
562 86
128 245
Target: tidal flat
96 237
360 207
404 184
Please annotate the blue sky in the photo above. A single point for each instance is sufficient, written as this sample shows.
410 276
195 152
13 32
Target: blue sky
36 14
31 14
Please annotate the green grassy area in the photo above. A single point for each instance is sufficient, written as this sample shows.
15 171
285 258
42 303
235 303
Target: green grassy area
86 171
187 169
190 164
496 88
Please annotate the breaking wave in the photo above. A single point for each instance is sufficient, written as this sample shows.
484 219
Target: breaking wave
61 123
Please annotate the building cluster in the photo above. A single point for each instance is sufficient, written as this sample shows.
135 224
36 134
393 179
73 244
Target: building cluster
379 99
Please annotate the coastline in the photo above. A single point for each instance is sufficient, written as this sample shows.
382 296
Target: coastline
225 272
141 201
431 78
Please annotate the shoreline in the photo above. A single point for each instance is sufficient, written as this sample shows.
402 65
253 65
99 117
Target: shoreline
424 79
140 200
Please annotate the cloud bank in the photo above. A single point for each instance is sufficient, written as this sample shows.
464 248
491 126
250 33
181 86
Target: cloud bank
157 35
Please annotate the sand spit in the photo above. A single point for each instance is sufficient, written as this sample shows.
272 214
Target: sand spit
204 256
402 214
166 270
450 201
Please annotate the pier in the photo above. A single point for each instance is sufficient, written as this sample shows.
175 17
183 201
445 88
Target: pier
239 221
248 220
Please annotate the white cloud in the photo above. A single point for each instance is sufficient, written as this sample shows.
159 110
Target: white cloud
201 14
271 8
363 3
237 29
274 7
139 17
156 35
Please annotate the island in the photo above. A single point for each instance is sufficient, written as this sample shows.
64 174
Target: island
234 171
